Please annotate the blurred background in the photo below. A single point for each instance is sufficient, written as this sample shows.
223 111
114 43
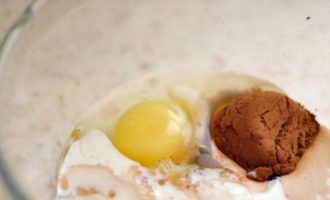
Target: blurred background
9 11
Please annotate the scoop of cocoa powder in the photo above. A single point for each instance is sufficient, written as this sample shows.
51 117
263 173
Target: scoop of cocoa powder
264 132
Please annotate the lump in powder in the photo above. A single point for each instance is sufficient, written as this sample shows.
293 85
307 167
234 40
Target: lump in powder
266 133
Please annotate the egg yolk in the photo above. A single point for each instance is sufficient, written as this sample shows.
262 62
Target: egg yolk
153 132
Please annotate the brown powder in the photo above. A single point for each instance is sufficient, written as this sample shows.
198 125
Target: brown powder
264 132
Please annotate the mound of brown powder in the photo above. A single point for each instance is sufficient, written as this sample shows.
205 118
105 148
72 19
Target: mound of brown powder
264 132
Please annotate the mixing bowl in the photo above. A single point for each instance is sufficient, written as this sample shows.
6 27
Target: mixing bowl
63 56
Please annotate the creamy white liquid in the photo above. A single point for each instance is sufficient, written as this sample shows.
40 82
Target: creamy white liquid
213 87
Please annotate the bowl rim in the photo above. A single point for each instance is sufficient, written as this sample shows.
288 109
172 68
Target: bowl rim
15 191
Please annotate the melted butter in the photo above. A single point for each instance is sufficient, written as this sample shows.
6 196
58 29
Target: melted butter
76 133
